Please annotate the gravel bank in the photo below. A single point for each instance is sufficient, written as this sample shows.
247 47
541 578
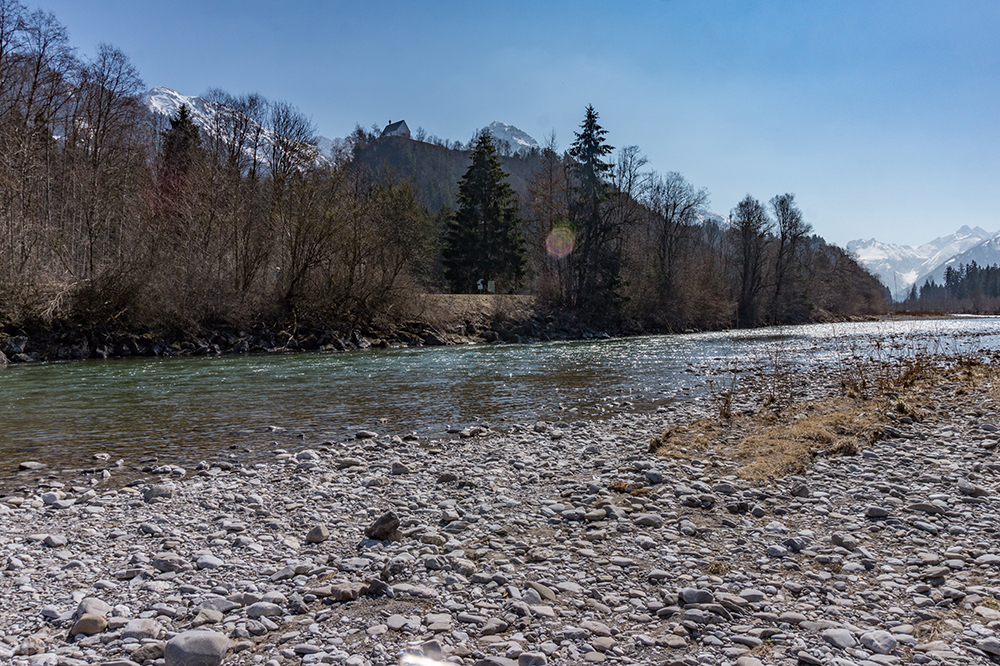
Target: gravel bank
550 543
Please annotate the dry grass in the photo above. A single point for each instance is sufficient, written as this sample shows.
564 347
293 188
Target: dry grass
682 440
444 310
788 446
940 628
777 442
718 568
762 651
773 444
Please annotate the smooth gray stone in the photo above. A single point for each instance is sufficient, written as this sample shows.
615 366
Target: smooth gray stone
532 659
990 645
209 562
691 595
841 638
93 606
318 534
142 628
386 528
264 609
879 641
196 648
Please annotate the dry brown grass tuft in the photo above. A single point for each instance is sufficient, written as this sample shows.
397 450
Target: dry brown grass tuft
762 651
718 568
678 441
937 629
773 444
778 442
772 449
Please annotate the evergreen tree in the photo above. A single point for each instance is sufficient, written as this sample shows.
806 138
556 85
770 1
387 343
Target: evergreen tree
597 259
481 240
181 143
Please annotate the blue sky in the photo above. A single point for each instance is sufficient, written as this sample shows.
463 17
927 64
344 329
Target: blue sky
882 117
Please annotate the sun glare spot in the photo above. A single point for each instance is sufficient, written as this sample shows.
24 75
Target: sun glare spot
560 242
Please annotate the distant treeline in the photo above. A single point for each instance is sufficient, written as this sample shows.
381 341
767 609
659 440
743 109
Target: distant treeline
111 217
643 248
967 288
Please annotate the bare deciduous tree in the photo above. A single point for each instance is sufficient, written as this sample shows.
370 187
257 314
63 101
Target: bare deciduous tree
791 230
748 237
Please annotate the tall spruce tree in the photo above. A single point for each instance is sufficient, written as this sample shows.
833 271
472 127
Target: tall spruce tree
181 143
481 240
597 259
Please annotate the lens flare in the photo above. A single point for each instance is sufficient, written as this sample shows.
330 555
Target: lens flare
560 242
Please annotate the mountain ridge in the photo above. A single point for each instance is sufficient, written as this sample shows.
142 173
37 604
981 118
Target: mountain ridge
166 102
511 138
899 267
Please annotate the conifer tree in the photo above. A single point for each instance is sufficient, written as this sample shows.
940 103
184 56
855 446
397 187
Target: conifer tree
481 240
181 143
597 258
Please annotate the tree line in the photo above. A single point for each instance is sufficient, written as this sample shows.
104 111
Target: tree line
598 234
967 288
111 216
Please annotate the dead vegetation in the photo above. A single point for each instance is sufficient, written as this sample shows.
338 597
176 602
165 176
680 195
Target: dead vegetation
780 439
447 310
772 444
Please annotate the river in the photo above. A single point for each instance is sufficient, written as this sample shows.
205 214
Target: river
182 410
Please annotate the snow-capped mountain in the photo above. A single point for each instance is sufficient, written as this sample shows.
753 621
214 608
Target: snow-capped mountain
166 103
986 253
707 216
900 266
518 140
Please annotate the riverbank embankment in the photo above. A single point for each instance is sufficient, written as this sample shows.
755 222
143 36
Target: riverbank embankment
429 320
643 539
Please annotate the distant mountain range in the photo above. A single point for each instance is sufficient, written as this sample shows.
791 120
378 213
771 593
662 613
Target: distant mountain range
166 103
901 266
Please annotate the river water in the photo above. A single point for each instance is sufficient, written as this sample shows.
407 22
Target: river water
182 410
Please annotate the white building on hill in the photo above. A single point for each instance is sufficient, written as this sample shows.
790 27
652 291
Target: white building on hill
396 129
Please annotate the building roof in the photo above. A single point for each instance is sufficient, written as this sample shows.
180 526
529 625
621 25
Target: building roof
395 128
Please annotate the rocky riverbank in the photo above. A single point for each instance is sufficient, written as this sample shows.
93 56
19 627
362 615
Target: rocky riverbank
430 320
553 542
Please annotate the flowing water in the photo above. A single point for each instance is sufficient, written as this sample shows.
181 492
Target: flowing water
182 410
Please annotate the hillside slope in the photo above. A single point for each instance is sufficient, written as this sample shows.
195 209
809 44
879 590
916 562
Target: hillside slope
434 170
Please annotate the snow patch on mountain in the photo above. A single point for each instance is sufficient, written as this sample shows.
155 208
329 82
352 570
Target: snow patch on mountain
166 103
516 140
986 253
901 266
708 217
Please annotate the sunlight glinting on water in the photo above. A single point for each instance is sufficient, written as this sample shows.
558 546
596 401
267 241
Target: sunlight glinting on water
183 409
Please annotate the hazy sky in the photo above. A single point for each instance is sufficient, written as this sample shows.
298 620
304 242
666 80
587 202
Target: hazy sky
883 117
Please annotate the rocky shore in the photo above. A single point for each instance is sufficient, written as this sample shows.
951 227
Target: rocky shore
548 543
435 320
430 320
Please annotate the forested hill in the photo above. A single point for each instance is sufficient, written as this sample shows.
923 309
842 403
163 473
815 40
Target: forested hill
116 223
433 169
